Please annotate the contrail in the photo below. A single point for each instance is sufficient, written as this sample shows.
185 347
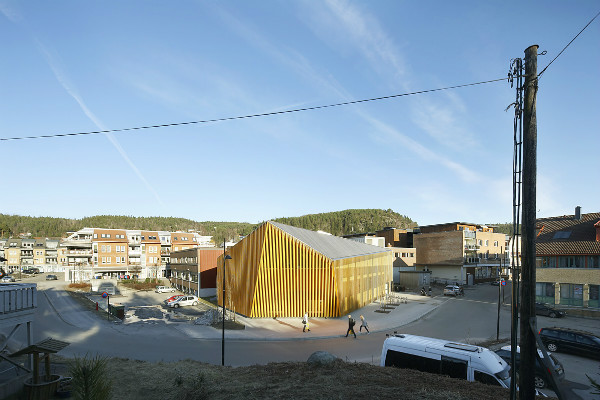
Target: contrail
66 84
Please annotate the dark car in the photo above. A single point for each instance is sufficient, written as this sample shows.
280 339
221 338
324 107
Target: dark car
540 376
543 309
573 341
31 271
497 282
51 277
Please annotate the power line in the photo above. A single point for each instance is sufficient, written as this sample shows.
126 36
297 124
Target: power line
268 114
572 40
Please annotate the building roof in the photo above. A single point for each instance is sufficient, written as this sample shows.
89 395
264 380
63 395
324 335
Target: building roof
332 247
567 235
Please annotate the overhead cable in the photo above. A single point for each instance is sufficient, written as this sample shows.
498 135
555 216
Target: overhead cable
267 114
572 40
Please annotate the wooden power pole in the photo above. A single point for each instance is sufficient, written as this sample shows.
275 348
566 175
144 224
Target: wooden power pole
528 342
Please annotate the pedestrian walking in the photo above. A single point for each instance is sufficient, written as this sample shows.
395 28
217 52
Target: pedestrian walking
363 324
305 323
429 291
351 323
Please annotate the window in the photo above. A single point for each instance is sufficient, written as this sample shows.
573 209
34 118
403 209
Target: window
487 242
454 367
544 292
103 248
95 236
593 261
571 261
485 378
546 262
404 360
495 243
593 301
479 242
571 294
562 235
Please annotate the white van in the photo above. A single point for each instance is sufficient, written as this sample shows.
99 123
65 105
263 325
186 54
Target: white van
457 360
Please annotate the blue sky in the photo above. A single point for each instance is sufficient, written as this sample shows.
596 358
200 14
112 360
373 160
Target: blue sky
73 66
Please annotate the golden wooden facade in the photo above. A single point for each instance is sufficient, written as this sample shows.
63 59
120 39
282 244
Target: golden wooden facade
272 274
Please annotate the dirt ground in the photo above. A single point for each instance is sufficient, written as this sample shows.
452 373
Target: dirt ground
187 380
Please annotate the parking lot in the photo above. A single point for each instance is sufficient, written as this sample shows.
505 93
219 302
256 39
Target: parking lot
140 306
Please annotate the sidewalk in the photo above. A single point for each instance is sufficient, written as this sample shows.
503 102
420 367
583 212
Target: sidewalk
397 315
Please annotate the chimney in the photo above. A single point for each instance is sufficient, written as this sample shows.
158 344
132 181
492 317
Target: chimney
578 213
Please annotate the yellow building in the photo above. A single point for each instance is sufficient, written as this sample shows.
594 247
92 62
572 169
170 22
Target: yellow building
283 271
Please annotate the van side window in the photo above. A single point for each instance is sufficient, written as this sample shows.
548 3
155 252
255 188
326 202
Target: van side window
485 378
411 361
454 367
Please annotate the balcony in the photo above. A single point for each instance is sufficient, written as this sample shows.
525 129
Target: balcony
137 252
17 302
77 243
471 247
78 253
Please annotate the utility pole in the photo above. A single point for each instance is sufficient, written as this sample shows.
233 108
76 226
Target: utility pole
527 306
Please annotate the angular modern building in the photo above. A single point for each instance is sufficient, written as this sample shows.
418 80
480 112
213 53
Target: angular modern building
283 271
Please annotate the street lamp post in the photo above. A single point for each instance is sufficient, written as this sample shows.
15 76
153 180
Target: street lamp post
225 258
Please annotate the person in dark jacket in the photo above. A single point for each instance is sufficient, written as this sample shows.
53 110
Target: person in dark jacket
351 323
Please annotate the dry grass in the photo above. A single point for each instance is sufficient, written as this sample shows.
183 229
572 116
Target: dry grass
191 380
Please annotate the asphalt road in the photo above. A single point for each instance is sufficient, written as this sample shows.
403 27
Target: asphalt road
471 318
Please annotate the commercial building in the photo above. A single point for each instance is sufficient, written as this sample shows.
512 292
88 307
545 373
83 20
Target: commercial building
568 260
284 271
194 270
460 252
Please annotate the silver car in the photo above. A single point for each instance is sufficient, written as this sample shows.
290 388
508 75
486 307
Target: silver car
451 290
184 301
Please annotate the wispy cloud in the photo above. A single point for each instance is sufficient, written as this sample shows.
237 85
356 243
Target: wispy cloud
53 61
54 64
346 26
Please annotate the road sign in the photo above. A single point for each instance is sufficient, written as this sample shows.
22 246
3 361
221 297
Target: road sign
104 295
503 282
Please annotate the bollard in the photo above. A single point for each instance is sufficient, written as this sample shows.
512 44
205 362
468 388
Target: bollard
96 306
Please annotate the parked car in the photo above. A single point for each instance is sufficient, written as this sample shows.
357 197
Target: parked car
543 309
184 301
7 278
31 271
452 290
457 360
540 379
497 282
164 289
51 277
573 341
172 298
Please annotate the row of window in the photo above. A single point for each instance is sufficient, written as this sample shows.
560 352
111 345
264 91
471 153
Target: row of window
570 294
486 242
568 262
121 260
404 254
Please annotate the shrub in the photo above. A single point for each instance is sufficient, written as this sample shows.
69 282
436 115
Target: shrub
80 285
196 388
90 378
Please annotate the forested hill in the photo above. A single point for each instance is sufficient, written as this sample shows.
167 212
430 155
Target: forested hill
337 223
14 225
350 221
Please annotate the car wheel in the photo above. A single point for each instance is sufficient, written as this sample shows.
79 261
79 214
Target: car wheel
539 382
176 306
552 347
552 315
195 303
